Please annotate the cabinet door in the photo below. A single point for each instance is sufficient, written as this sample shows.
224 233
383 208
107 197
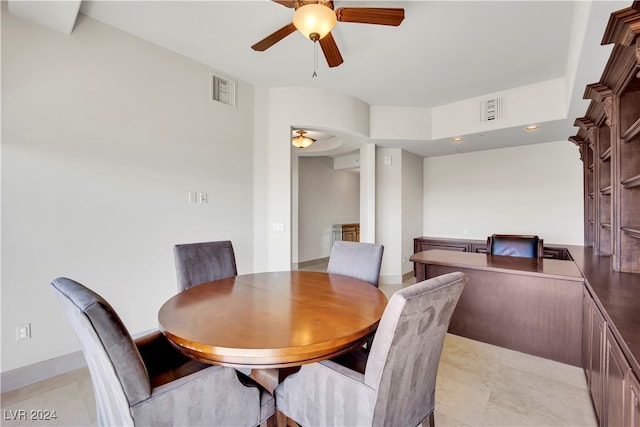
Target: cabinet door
425 246
349 236
617 367
598 362
632 407
586 334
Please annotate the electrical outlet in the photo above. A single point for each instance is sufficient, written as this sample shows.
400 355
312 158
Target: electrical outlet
23 332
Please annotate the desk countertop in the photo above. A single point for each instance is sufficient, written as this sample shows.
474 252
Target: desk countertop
554 268
618 297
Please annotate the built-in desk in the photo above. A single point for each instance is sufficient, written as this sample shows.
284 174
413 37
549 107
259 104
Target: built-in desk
528 305
510 301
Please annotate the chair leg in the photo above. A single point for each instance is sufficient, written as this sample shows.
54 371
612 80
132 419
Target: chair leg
432 419
272 421
283 421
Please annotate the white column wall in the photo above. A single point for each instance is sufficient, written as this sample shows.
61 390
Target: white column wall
368 193
412 206
329 110
389 212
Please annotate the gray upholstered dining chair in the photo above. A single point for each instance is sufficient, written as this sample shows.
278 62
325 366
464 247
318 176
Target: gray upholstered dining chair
397 385
198 263
147 381
355 259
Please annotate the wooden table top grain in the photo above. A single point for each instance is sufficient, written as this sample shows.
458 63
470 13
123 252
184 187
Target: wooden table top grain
272 320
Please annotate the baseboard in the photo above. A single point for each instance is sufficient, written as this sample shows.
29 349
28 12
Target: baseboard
408 275
26 375
303 264
391 279
395 279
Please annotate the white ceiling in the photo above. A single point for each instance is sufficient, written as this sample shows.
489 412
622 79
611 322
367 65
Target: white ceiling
444 51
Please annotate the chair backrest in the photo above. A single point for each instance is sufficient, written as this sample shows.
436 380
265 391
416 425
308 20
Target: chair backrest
403 361
523 246
118 373
198 263
354 259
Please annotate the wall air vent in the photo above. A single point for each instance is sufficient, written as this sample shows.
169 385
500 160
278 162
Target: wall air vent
223 90
492 110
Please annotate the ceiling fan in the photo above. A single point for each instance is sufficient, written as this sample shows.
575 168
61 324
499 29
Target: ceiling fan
316 18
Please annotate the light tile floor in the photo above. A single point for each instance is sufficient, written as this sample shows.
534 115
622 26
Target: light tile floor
478 385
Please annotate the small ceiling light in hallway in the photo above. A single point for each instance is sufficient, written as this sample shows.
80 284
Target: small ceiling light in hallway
302 141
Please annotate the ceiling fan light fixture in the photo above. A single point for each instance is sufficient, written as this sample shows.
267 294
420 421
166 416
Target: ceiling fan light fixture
314 21
302 141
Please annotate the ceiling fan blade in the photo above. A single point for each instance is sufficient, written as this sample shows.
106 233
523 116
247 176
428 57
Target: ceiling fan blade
274 38
331 51
286 3
371 15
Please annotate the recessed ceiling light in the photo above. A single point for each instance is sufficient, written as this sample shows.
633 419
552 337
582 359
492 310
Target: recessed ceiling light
532 127
457 139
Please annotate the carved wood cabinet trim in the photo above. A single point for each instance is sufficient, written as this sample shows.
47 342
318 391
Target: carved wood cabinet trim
609 142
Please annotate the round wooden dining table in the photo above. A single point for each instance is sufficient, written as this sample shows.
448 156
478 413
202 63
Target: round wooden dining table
272 320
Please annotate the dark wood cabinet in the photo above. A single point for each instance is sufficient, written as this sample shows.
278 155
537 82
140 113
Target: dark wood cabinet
595 369
609 142
347 232
612 383
421 244
351 232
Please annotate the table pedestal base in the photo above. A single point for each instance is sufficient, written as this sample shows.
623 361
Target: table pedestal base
269 378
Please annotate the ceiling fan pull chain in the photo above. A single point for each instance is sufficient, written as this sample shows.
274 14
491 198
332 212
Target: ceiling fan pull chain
315 59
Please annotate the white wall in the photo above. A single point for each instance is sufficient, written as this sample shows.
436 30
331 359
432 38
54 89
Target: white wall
412 205
534 103
399 207
534 189
325 197
524 105
389 211
103 136
368 193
